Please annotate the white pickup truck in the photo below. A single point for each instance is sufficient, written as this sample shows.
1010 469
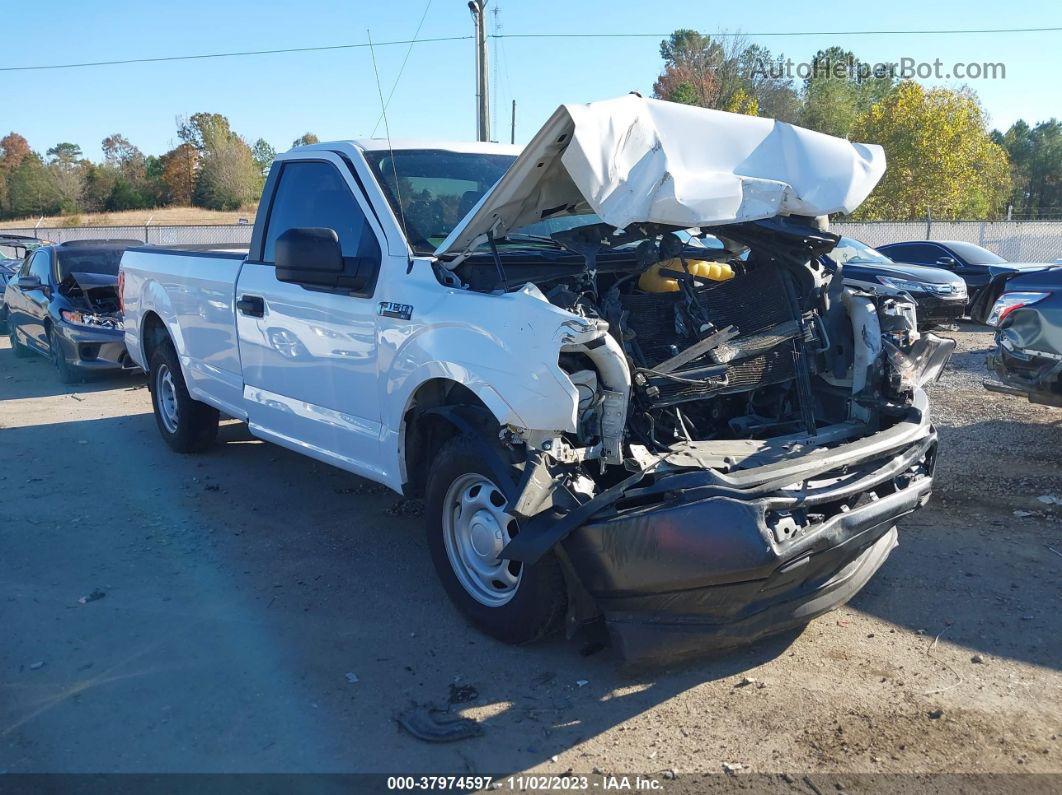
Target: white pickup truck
612 363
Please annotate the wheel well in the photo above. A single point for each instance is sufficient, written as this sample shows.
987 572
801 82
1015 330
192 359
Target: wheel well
425 432
153 334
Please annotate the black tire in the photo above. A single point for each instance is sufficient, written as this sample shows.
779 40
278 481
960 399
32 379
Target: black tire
194 425
21 351
537 607
3 319
66 373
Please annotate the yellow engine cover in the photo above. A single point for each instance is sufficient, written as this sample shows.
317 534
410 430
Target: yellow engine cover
652 282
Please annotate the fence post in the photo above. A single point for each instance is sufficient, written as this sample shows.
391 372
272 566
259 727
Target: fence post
929 224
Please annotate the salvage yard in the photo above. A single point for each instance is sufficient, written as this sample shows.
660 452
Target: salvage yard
252 610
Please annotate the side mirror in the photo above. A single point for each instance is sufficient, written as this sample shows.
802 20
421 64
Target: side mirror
313 256
29 282
947 262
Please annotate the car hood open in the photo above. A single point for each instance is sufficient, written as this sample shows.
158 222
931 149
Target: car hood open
632 159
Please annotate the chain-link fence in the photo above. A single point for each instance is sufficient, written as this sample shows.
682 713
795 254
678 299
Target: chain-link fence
199 235
1016 241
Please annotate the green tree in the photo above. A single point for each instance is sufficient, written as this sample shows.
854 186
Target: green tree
263 155
65 153
939 156
31 190
1036 166
229 177
204 130
306 139
727 74
839 90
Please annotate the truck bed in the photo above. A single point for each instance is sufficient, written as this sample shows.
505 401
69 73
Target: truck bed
193 293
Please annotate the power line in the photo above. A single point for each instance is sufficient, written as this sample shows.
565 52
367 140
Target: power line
744 34
362 45
241 53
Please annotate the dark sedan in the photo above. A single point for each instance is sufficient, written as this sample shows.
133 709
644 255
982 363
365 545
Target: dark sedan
63 304
939 294
1026 310
13 249
976 265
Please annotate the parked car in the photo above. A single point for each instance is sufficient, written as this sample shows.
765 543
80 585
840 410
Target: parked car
939 294
976 266
602 423
13 249
1026 310
64 305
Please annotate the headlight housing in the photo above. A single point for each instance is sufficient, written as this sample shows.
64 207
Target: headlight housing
902 284
1008 302
90 320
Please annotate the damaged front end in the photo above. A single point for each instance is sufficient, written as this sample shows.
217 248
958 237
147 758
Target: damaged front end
744 445
747 430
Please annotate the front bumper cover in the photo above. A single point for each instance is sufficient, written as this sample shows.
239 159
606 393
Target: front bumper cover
679 569
87 348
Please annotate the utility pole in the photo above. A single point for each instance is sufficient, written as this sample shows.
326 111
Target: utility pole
512 130
479 16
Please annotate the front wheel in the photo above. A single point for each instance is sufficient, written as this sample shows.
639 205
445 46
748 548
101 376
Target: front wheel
66 373
187 425
21 351
468 525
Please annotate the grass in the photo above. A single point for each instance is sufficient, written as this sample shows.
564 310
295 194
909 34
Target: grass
163 216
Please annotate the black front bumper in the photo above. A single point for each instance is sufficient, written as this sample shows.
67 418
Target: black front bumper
99 350
707 568
934 310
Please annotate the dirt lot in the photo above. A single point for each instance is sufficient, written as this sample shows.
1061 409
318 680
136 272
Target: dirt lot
243 586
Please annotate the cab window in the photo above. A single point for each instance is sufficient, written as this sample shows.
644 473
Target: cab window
314 194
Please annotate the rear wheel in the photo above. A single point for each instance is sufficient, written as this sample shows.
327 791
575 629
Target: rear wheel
187 425
66 373
468 525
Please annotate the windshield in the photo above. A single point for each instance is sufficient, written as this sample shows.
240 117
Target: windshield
89 260
437 188
974 254
851 250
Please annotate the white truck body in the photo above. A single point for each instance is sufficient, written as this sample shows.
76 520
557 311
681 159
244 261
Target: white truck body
565 373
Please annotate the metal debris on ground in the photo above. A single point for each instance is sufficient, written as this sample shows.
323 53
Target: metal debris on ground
746 681
582 682
1024 514
462 694
352 678
733 767
936 714
36 666
92 597
433 725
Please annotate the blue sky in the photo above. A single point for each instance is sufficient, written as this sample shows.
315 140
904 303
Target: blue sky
334 93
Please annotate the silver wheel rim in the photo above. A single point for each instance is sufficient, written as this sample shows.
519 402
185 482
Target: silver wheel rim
476 528
166 397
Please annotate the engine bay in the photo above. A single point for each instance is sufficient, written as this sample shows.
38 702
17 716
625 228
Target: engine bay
750 338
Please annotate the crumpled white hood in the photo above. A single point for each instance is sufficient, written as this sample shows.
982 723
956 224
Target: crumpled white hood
633 159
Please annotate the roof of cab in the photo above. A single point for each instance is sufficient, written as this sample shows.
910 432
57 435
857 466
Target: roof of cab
382 144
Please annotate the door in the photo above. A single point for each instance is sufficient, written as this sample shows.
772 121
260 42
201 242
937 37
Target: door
33 304
309 354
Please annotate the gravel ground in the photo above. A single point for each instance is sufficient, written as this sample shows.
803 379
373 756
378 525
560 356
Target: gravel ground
241 588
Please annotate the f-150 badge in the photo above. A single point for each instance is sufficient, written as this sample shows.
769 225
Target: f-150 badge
391 309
